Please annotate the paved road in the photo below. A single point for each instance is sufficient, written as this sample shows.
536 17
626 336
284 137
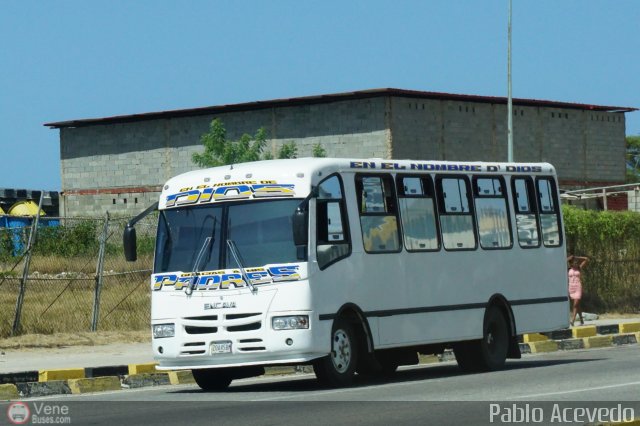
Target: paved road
434 394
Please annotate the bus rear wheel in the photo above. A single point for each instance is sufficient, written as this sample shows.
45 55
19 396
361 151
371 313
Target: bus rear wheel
212 379
495 341
337 369
489 353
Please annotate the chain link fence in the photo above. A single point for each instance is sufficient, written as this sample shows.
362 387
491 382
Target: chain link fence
70 275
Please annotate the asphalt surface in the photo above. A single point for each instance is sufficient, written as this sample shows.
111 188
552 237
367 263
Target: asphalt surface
432 394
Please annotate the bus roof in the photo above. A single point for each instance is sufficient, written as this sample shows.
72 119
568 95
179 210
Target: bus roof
293 177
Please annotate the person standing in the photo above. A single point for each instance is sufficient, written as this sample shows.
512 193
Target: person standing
575 285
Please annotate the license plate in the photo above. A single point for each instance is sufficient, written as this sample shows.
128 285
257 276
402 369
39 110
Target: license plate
220 347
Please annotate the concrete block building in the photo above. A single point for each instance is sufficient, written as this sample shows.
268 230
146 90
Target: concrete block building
118 164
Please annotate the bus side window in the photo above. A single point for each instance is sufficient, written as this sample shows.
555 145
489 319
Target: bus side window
333 241
378 213
492 213
456 220
549 212
526 212
417 212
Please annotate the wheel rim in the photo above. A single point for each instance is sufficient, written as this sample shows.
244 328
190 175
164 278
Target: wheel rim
494 339
491 341
341 351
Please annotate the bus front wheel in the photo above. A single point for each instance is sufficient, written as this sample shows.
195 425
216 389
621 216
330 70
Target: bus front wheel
211 379
337 369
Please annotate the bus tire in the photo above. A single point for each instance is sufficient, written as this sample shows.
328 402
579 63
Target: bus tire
337 369
211 379
374 365
388 367
495 340
489 353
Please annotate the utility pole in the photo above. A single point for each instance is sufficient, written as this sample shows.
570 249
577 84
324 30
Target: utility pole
509 101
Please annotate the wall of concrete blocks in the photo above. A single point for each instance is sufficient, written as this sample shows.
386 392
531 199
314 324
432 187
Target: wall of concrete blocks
145 154
584 146
97 205
110 167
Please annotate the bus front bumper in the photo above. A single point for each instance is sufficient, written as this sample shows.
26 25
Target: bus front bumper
191 348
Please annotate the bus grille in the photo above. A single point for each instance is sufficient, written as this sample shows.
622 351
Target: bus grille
251 345
232 323
193 348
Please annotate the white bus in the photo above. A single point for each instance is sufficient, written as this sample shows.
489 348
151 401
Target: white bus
353 265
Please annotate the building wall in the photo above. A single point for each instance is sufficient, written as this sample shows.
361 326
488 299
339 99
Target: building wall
585 147
109 167
120 167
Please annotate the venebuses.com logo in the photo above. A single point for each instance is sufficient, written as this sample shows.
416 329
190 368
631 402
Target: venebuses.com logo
18 413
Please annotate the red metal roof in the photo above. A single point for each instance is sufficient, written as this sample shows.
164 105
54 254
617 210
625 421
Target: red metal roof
333 97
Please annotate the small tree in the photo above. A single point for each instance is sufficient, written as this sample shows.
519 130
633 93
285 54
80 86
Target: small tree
288 150
218 151
318 151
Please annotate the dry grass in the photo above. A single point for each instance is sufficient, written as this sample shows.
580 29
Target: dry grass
54 265
66 306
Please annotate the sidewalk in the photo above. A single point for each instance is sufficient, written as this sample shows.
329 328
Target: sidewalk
16 360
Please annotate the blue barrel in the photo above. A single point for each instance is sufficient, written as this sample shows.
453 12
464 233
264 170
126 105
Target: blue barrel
18 224
18 221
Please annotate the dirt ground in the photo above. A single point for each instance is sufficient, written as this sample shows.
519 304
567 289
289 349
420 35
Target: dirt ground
60 340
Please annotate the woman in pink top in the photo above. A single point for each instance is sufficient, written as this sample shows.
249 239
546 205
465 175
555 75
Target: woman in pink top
575 284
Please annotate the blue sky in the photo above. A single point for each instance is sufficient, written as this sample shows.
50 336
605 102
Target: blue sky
68 60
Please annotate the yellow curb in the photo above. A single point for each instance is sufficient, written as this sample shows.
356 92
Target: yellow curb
629 327
8 391
429 359
143 368
534 337
181 377
98 384
597 341
277 371
545 346
60 374
584 331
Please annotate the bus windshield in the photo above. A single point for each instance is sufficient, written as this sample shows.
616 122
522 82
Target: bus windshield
262 231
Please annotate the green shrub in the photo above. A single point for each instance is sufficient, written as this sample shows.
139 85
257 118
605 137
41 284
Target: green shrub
79 238
611 240
6 245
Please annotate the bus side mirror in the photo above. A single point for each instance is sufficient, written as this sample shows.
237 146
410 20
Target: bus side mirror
130 243
300 230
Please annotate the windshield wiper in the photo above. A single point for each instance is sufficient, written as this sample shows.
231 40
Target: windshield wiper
196 265
236 256
208 242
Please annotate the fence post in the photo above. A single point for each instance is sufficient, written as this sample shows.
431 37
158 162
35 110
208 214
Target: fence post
99 273
25 271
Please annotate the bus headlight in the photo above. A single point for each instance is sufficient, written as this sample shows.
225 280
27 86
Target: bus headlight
292 322
164 330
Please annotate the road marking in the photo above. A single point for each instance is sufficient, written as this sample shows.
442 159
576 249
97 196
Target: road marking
534 395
